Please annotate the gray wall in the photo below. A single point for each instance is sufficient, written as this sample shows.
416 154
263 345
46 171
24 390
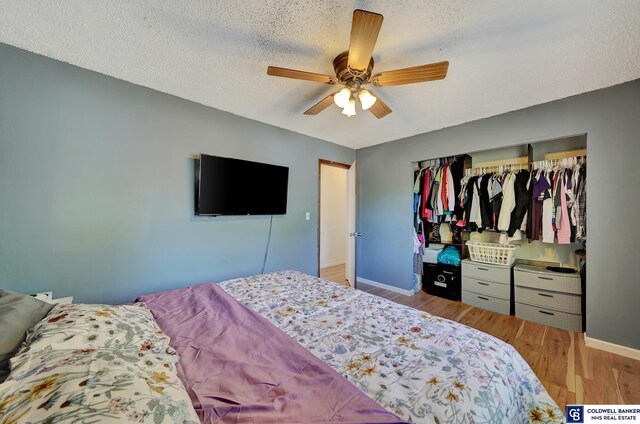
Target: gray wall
96 190
611 120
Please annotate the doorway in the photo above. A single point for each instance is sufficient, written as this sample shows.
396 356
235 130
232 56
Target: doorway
336 222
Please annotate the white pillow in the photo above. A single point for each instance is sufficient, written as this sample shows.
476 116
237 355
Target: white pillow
84 326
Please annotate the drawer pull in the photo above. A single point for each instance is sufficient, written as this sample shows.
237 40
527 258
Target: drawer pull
447 272
483 298
546 313
545 278
545 295
483 269
483 284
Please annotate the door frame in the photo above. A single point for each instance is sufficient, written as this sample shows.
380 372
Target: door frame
337 165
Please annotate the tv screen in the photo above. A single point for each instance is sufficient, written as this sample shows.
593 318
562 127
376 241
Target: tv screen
239 187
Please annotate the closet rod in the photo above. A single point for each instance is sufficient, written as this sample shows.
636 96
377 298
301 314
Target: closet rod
508 162
567 154
436 162
562 162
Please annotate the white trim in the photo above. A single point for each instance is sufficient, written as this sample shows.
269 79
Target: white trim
386 286
612 347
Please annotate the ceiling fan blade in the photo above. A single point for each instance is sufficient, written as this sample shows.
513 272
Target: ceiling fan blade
365 28
321 105
431 72
301 75
379 108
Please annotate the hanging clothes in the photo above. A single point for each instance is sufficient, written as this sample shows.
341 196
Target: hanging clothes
496 199
417 253
563 223
562 193
581 205
457 174
485 202
426 190
476 214
548 234
443 189
508 202
469 205
451 194
522 202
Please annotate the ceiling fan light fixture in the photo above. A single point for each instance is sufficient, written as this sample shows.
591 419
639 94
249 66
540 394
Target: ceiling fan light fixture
366 99
350 108
354 69
342 97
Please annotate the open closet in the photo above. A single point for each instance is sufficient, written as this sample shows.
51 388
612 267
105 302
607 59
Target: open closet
490 225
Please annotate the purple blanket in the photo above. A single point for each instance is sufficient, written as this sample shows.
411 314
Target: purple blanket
240 368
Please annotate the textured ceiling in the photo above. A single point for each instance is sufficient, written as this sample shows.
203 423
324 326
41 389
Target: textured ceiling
504 54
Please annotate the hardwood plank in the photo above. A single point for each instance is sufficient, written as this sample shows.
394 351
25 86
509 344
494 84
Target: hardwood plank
472 317
336 273
571 363
627 365
453 310
597 365
599 392
506 327
463 312
580 391
532 332
529 351
554 360
487 321
415 302
377 291
628 387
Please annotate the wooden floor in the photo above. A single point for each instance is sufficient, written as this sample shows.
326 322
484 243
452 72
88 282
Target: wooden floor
571 372
336 273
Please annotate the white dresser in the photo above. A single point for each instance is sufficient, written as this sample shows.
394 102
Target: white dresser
487 286
548 297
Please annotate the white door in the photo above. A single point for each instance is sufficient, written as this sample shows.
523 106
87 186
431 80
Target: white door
351 224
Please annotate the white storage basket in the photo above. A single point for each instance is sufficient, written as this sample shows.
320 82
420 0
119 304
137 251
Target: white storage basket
430 255
492 253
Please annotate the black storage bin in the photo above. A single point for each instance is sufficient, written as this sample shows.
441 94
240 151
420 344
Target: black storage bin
442 280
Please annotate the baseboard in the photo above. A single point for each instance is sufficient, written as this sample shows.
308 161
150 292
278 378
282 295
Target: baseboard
385 286
612 347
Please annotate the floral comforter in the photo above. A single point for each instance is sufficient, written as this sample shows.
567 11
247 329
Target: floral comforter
419 366
95 363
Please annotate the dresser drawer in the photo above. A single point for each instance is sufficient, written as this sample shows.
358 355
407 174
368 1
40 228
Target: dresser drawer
547 281
571 322
571 303
500 274
490 288
486 302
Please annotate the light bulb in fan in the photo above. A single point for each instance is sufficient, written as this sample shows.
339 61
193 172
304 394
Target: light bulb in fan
350 108
366 99
341 98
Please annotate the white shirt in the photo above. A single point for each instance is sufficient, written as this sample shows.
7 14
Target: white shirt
508 202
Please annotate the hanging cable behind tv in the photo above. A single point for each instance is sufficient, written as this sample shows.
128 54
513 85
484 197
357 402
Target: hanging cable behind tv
266 252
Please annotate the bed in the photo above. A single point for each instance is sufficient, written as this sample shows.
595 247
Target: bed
420 367
279 347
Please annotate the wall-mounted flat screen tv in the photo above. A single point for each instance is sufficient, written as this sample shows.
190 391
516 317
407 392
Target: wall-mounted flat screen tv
228 186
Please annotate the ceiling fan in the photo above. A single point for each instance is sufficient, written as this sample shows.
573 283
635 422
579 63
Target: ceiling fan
354 70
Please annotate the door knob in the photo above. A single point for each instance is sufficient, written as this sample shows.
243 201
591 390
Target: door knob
355 234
